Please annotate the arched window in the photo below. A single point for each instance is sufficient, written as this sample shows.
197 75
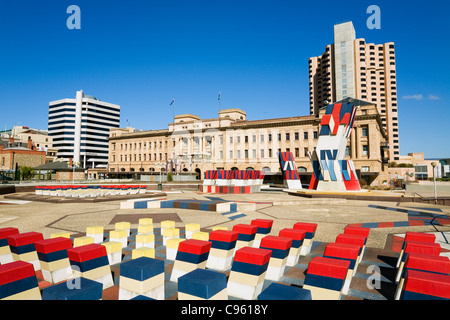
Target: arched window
301 169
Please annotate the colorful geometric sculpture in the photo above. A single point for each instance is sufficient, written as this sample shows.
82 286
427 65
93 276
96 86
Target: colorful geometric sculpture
331 172
289 169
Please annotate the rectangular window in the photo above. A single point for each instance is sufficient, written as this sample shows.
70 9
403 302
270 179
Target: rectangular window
365 169
262 153
365 131
288 136
365 150
296 136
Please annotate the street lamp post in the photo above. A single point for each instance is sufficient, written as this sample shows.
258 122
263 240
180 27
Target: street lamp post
160 165
434 165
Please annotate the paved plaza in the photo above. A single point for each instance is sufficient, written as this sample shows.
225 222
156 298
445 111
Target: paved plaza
388 222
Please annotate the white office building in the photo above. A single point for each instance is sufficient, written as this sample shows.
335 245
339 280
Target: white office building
80 129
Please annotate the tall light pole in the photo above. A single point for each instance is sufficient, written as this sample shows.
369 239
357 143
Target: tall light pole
434 165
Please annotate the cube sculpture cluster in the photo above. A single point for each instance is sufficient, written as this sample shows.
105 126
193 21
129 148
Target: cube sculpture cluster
200 266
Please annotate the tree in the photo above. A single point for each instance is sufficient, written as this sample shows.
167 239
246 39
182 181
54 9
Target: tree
17 172
27 172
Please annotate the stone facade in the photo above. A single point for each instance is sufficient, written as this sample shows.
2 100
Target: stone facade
68 175
233 142
30 158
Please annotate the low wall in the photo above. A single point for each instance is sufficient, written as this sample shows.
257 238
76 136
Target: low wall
173 186
7 188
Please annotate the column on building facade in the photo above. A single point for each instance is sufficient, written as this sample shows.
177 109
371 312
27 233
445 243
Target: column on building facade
353 144
374 141
358 142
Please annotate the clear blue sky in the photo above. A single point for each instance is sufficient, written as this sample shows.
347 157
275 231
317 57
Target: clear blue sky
141 54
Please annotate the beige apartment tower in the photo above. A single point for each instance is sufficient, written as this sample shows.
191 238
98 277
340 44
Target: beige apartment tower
353 68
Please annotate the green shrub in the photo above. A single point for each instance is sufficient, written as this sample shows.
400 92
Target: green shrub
26 172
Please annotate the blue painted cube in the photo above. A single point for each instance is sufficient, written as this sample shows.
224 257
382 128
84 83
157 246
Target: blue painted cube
142 297
277 291
142 268
74 289
202 283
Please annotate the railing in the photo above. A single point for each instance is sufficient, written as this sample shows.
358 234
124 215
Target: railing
414 195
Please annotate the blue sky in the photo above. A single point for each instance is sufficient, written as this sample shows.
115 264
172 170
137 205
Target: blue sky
141 54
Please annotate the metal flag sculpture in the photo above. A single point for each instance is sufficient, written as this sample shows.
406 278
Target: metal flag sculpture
331 172
289 169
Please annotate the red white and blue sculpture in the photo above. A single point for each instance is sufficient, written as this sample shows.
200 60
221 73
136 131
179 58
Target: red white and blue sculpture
331 172
289 170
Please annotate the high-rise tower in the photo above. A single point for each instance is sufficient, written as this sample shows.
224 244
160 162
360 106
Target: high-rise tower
80 129
351 67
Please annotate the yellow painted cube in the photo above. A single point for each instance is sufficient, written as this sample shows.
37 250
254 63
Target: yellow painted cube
82 241
112 246
174 243
201 236
94 230
219 228
171 232
117 234
147 228
145 238
122 225
167 224
192 227
145 221
60 234
143 252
